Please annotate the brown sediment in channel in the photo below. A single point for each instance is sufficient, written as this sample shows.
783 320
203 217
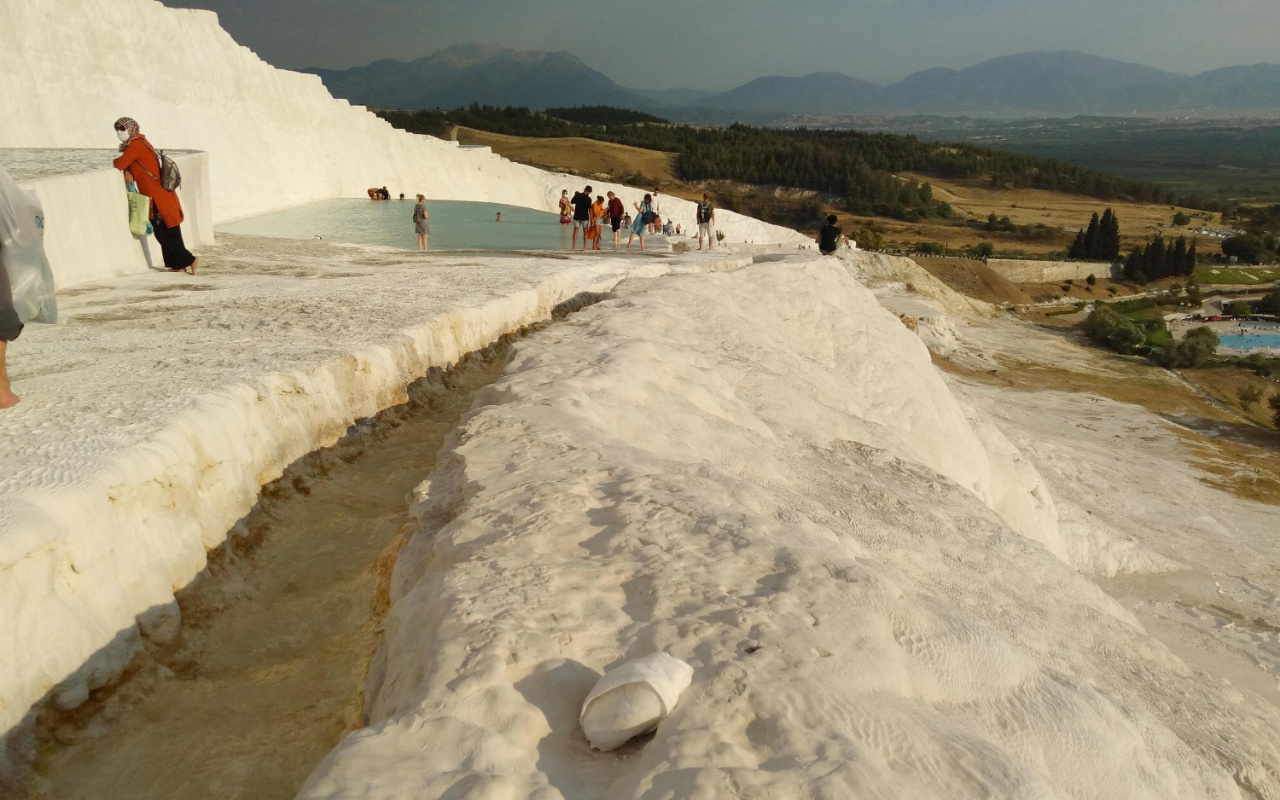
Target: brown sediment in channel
266 673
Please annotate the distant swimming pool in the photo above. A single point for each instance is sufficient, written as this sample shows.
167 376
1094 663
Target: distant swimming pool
1248 341
455 225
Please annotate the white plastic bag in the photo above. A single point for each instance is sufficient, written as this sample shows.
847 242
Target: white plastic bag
22 253
633 699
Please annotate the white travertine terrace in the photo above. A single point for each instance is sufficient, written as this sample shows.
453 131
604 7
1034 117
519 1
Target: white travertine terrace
753 467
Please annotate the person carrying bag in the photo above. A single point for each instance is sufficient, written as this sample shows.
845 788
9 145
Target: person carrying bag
156 176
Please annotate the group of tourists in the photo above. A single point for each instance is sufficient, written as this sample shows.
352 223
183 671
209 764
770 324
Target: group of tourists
589 215
381 194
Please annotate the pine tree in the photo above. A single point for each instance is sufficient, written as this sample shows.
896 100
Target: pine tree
1154 261
1077 247
1110 236
1092 241
1133 265
1189 266
1178 257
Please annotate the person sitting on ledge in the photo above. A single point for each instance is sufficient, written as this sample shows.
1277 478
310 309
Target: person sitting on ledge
141 166
831 237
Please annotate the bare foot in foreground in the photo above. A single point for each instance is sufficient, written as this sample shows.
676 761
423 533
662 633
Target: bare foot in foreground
191 270
7 398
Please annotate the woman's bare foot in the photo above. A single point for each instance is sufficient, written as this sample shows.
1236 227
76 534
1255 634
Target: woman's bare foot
7 398
191 270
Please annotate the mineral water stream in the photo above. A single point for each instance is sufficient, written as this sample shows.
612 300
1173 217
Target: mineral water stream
269 672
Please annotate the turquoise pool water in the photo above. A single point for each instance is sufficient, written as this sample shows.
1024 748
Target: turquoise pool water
1248 341
455 225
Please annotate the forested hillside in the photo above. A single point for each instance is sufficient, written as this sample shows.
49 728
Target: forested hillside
857 168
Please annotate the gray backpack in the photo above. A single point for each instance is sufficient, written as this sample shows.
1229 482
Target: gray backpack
170 177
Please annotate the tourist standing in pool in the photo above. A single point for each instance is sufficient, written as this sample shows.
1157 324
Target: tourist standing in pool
581 217
141 166
420 223
566 208
644 219
616 210
598 209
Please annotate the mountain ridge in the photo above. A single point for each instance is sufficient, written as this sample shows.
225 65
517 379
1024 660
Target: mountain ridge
473 73
1038 82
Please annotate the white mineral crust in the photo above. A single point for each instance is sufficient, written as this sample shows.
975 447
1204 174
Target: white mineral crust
760 473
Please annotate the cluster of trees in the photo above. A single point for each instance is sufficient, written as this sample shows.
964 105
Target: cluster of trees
554 123
862 177
857 167
1029 233
868 239
1193 351
1158 259
1100 242
1252 248
1271 303
1255 219
605 116
1107 326
1260 243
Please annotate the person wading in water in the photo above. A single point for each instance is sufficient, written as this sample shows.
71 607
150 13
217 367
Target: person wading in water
420 223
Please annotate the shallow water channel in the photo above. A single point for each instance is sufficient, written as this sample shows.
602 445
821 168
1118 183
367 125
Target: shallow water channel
269 670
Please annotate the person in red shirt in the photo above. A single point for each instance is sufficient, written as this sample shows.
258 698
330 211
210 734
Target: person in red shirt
615 211
141 165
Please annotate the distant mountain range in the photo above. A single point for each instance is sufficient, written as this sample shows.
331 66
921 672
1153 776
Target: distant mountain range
1065 83
466 74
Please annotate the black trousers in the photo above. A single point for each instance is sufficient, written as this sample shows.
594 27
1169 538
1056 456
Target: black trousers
176 255
10 325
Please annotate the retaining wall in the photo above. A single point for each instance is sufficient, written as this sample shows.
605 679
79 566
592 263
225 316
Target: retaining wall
86 233
1029 271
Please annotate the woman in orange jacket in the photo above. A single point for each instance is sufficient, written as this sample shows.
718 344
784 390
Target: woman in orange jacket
141 164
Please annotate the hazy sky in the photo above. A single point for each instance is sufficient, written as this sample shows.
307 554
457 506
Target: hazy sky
719 44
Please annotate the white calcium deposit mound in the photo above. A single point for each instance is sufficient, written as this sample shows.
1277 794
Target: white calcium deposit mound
760 473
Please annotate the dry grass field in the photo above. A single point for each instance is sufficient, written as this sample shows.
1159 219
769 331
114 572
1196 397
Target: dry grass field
976 280
1138 221
579 156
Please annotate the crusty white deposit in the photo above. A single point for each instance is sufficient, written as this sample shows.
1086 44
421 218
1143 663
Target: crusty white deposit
761 473
151 417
